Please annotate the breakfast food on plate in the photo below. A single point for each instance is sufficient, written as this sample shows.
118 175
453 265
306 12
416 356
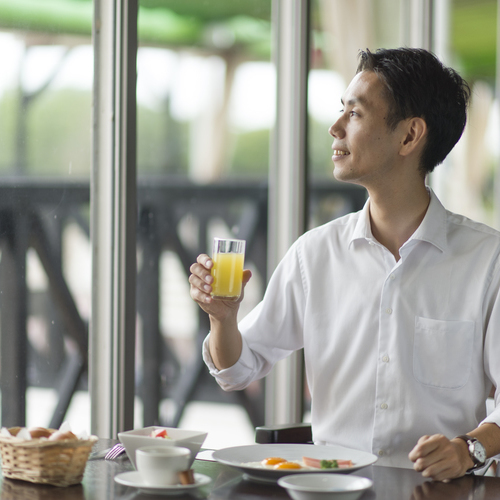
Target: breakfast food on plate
160 433
288 465
327 464
307 463
186 476
273 461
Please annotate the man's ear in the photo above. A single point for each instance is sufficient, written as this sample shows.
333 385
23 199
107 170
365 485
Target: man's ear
414 136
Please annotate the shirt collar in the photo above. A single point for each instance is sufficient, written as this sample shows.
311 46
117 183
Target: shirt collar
362 230
432 228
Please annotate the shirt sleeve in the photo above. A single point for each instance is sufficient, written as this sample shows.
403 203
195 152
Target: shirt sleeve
271 331
492 345
494 416
235 377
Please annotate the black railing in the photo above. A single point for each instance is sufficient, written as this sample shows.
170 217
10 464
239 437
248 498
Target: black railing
33 214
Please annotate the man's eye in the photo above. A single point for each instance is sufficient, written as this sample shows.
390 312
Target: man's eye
353 113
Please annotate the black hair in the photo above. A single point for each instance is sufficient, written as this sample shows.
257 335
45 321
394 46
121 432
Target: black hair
419 85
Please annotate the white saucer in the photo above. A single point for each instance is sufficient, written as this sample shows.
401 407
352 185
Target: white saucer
134 480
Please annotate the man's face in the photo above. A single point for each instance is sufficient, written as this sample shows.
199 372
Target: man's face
365 151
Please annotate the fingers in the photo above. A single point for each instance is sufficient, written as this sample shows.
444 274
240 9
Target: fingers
424 446
437 457
201 280
443 470
247 274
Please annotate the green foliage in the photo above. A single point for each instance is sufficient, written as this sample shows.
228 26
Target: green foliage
320 150
8 112
251 154
164 26
213 10
58 133
49 16
162 143
165 23
473 37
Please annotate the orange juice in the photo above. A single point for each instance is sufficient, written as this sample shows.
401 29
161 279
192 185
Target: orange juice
227 273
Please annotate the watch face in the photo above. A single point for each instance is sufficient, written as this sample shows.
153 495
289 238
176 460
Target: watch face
479 452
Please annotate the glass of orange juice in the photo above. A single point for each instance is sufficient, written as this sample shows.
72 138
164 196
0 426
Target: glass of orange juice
228 257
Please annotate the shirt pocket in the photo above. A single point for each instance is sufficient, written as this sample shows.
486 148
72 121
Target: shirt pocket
442 352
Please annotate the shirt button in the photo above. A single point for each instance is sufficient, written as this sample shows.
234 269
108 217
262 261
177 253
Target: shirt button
384 406
388 310
385 359
380 453
392 277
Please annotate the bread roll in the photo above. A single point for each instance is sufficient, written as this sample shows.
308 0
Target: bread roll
39 432
60 436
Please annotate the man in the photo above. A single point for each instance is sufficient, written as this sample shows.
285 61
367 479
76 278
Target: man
396 306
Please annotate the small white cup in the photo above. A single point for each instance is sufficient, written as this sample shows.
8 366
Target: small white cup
159 465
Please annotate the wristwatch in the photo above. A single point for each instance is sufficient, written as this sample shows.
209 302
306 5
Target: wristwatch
476 451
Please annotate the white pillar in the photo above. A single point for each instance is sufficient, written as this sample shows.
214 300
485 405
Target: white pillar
417 23
288 183
113 218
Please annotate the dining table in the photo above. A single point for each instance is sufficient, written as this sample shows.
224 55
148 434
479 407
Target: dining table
229 483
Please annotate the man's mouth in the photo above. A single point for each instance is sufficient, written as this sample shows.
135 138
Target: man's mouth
339 152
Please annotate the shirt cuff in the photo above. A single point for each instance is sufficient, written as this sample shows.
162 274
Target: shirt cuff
235 377
493 417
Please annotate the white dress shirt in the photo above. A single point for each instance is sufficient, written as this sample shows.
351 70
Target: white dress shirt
393 350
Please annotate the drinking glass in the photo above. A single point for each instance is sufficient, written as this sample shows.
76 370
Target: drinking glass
228 257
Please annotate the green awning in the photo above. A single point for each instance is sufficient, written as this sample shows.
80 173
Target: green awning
158 24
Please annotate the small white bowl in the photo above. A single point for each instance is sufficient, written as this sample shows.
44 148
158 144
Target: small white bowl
139 438
324 486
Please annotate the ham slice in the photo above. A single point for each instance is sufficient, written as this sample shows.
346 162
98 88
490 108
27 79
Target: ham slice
316 463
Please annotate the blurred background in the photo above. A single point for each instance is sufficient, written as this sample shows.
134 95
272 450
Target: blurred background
206 110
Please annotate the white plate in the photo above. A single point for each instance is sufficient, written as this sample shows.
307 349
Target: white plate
134 480
238 456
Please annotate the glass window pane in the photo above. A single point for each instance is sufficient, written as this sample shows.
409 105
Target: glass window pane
205 109
334 50
45 268
466 181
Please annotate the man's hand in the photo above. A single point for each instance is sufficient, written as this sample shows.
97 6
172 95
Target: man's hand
439 458
225 341
201 282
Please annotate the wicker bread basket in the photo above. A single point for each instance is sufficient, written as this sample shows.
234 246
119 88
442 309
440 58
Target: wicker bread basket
60 463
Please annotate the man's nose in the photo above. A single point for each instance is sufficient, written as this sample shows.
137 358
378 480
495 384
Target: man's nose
336 130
